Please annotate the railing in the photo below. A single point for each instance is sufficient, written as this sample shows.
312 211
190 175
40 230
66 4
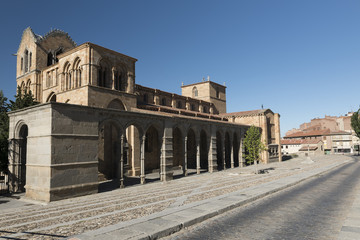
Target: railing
4 183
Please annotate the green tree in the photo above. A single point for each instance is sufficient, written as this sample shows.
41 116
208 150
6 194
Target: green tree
21 101
253 145
355 124
4 132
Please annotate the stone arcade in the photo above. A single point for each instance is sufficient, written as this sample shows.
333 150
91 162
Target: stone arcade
95 124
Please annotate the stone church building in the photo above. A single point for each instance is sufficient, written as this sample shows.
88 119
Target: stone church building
95 124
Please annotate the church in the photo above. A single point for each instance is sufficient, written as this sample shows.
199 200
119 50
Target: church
95 124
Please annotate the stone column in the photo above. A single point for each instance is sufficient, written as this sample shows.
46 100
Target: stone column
167 155
197 155
277 134
185 157
232 154
212 152
142 160
122 161
113 72
223 152
131 83
241 142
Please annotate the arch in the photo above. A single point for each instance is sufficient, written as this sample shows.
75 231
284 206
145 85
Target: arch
236 148
67 75
26 60
178 148
227 150
191 149
179 104
195 92
145 98
77 72
109 151
23 87
120 77
132 151
219 151
51 97
163 101
116 104
152 150
19 164
204 150
104 74
28 85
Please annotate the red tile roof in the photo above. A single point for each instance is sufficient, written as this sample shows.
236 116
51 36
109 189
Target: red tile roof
245 113
308 134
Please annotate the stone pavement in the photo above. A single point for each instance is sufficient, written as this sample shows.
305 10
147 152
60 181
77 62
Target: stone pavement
158 209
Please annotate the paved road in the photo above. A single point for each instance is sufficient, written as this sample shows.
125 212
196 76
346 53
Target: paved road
314 209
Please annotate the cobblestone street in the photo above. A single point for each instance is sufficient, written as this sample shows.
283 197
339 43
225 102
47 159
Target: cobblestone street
89 213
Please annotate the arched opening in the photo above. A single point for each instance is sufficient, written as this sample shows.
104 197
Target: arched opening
132 155
152 154
191 151
204 150
178 150
51 97
109 155
116 104
179 104
104 74
227 151
21 174
236 147
77 73
219 151
163 101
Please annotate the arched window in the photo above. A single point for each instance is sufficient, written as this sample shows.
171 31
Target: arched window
28 84
217 93
194 92
30 60
104 75
22 64
192 107
26 57
77 73
205 109
67 76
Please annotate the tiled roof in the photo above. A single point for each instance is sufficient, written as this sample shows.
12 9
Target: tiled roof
307 134
299 141
310 148
245 113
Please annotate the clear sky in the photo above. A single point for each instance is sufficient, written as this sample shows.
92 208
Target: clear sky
300 58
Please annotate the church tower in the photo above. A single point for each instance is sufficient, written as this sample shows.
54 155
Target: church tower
35 53
208 91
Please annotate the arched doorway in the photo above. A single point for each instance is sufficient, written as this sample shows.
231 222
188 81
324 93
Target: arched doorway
21 174
219 151
204 151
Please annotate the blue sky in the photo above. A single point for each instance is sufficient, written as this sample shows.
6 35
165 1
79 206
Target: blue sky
300 58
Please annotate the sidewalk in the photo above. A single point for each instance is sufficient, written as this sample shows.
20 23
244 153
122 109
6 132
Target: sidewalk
158 209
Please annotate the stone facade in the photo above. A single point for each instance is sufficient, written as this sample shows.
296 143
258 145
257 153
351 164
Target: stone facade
94 124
